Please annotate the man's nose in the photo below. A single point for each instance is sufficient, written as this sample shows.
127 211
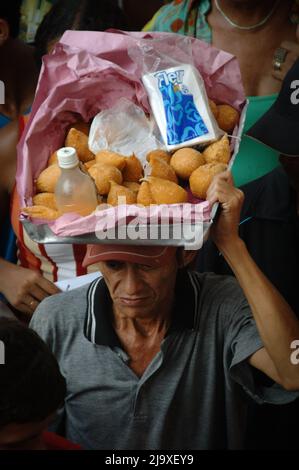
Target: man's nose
133 284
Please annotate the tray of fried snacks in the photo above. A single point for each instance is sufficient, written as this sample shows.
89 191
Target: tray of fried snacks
146 193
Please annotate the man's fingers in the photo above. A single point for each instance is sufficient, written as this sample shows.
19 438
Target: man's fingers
221 179
230 179
25 309
224 193
38 293
28 309
223 176
48 287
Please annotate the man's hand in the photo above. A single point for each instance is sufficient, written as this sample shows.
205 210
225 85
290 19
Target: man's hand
225 230
276 323
23 288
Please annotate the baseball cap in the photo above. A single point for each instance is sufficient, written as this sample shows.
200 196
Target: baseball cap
153 256
278 127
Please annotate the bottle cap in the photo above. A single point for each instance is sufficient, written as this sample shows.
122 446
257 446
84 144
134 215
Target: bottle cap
67 157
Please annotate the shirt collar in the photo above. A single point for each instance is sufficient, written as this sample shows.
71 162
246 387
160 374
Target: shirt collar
98 328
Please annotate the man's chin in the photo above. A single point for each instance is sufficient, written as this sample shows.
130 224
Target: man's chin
135 307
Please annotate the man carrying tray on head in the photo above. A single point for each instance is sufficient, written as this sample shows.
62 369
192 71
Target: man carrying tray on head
159 357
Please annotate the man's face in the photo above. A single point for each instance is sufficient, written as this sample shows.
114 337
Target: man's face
291 166
139 290
26 436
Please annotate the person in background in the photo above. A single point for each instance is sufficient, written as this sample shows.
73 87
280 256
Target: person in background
17 60
263 35
174 351
31 390
81 15
40 266
270 230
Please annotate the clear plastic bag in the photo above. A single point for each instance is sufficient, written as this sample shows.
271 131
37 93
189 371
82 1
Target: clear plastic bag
124 129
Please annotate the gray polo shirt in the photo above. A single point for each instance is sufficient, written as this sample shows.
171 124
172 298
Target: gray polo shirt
193 393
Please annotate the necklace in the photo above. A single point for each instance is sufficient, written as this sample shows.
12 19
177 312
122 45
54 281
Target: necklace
247 28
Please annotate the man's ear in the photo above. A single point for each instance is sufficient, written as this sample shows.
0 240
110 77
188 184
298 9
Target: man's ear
185 257
4 31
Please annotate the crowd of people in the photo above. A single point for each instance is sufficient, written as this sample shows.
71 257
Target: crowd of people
185 358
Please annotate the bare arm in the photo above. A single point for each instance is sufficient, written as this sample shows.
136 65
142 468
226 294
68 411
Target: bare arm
23 288
275 320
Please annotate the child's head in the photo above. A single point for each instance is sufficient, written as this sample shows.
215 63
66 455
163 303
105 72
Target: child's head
31 387
80 15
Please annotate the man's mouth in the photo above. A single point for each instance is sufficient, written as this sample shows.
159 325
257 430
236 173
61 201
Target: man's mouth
133 301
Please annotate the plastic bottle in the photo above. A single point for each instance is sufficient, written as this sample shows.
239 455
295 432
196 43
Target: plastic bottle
75 191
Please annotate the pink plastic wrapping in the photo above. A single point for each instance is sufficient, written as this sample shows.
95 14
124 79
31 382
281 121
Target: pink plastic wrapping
88 72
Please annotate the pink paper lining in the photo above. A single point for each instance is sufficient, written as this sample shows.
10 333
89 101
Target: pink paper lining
88 72
71 224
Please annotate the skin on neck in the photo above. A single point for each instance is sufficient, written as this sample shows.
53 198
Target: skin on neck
145 325
250 11
253 48
19 74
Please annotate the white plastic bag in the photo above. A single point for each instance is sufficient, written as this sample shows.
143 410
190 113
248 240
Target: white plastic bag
124 129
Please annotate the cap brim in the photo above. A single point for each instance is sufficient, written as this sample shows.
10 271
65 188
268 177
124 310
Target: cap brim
147 255
277 132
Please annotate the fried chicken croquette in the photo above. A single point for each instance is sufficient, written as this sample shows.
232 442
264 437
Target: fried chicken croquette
133 170
201 178
161 169
218 151
120 195
159 153
111 158
45 199
79 141
184 161
103 175
227 118
165 191
47 180
41 212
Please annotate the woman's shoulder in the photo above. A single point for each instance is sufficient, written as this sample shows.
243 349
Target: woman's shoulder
179 16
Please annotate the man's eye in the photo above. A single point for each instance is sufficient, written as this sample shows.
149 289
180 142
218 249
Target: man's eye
115 265
145 267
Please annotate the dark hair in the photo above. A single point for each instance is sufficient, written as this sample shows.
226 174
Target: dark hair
81 15
11 12
31 385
